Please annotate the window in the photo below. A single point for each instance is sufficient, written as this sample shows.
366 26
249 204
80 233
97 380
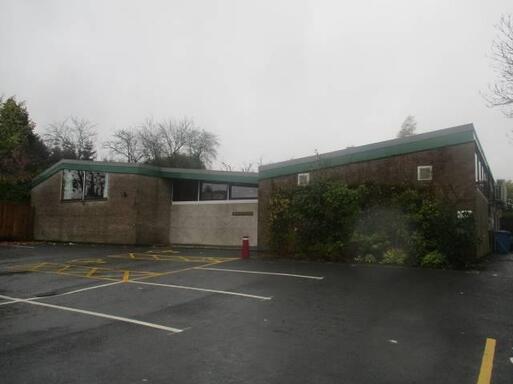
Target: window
83 185
303 179
484 180
72 185
243 192
214 191
185 190
424 172
95 186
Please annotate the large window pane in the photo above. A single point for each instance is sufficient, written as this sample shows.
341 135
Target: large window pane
214 191
185 190
72 184
243 192
95 185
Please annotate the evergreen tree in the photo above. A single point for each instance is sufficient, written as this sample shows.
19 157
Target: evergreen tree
22 152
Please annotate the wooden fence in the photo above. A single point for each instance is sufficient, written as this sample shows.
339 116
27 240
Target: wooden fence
16 221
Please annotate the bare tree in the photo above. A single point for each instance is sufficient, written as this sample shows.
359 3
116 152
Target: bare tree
408 127
175 135
73 138
226 166
125 143
179 143
202 145
151 141
501 92
247 167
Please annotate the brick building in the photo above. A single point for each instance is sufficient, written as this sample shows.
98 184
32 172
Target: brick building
120 203
123 203
450 160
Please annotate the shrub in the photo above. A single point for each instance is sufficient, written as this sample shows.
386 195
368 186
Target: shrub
394 256
434 259
329 220
374 244
315 221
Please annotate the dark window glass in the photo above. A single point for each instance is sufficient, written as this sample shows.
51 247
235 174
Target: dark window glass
243 192
72 184
185 190
95 185
214 191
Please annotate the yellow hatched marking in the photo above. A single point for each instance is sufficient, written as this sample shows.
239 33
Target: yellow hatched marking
164 251
160 257
77 275
95 273
485 373
64 269
183 269
87 261
37 266
91 272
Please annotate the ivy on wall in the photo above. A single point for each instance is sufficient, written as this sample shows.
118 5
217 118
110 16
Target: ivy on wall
370 223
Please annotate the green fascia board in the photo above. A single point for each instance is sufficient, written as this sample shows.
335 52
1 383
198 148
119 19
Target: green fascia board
322 161
148 170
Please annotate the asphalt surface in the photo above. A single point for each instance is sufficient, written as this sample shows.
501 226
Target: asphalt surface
359 324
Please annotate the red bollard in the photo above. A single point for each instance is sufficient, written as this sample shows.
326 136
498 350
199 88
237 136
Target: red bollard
244 251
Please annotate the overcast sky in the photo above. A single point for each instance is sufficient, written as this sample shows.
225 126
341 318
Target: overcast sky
273 79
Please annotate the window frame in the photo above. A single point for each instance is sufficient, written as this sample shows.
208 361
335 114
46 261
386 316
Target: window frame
215 183
422 167
299 175
231 185
228 199
83 197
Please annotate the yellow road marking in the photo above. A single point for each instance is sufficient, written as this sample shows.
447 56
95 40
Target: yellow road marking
163 251
485 374
64 269
35 267
87 261
77 275
184 269
161 257
91 272
126 276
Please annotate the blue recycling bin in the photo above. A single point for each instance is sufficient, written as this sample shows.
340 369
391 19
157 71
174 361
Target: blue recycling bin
502 242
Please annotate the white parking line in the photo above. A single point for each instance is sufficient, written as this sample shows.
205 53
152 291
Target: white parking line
10 302
96 314
262 273
201 289
76 291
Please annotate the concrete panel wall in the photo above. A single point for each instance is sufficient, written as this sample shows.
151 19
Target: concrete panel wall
209 223
135 212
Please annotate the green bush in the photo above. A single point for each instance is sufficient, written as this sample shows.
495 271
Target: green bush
374 244
332 221
434 259
315 221
394 256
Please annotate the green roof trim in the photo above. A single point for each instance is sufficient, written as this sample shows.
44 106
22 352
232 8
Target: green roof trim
148 170
417 143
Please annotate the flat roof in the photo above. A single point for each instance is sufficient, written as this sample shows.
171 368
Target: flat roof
148 170
424 141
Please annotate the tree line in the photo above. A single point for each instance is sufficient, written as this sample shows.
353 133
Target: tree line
24 153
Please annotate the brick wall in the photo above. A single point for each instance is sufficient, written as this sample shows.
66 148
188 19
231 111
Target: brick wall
453 177
136 212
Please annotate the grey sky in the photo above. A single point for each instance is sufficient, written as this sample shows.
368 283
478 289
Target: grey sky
273 79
